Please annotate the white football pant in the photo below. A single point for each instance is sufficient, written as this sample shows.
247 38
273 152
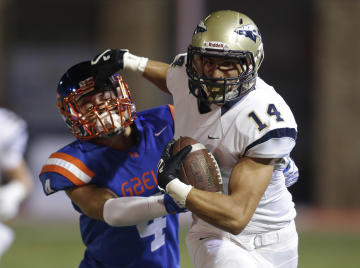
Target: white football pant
277 249
6 238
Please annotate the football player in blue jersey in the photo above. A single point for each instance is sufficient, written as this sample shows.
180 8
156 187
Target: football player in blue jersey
109 173
221 101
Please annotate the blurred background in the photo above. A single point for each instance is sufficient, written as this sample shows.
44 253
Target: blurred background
312 58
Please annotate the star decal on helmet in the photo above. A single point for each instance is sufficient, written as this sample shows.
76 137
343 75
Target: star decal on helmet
248 31
179 61
200 28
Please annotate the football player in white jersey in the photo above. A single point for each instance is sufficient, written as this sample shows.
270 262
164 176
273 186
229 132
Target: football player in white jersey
221 101
17 178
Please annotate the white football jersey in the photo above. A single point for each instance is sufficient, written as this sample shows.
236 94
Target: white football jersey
13 139
259 125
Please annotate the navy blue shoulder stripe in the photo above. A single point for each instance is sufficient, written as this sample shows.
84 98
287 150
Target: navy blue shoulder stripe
275 133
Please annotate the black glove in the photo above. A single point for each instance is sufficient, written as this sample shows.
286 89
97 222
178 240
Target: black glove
106 64
169 166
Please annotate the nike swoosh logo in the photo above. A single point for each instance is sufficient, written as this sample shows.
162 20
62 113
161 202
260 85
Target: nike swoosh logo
161 131
213 138
202 238
48 189
105 58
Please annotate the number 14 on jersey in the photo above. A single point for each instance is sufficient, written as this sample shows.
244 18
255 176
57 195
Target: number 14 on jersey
271 111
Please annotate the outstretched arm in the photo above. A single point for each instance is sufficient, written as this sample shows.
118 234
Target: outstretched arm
112 60
91 199
102 204
155 72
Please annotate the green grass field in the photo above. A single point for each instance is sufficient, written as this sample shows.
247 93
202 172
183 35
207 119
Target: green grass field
59 245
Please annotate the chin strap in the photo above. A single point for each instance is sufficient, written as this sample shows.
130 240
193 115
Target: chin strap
204 106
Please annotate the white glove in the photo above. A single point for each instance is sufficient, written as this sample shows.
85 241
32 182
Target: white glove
11 196
291 171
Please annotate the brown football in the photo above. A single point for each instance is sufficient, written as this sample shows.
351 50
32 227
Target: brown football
199 168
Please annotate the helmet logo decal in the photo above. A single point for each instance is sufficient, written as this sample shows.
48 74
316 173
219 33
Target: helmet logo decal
87 82
178 61
215 44
200 28
249 31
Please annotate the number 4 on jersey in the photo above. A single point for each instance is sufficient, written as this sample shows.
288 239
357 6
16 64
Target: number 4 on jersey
271 111
154 228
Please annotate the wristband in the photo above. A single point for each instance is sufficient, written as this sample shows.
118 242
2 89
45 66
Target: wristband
134 63
178 191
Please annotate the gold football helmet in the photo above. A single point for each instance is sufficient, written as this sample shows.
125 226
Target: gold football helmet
233 39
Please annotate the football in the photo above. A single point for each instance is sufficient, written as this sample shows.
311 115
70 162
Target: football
199 168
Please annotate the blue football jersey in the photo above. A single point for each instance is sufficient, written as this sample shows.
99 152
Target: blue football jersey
127 173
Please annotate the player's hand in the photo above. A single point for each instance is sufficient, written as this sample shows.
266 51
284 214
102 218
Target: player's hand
171 206
290 172
11 196
169 166
106 64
